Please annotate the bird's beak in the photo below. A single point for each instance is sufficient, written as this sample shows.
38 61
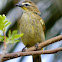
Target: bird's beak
19 5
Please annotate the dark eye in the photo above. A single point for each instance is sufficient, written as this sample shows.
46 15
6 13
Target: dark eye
26 4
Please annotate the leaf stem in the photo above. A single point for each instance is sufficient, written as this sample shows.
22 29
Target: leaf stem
5 46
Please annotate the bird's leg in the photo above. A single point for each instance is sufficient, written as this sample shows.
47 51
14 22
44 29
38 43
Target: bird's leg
36 45
23 50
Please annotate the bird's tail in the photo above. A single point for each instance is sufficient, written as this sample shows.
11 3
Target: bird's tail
36 58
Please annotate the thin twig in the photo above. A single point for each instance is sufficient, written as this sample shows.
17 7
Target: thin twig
4 41
4 49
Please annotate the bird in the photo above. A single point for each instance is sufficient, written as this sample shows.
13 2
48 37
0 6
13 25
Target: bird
31 25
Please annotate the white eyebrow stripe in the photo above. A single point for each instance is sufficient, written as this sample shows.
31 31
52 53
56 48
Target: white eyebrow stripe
26 3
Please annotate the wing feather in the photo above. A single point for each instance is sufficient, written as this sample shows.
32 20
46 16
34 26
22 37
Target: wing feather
43 24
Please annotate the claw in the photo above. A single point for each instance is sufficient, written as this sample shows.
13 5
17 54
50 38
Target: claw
23 50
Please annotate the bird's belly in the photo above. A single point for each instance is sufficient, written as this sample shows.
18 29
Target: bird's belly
32 34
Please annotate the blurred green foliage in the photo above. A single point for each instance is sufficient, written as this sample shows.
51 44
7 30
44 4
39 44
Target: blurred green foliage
12 37
3 22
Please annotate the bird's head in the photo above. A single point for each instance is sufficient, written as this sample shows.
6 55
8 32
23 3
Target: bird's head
28 6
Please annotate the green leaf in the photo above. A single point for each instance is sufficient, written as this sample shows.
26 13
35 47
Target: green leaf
1 39
1 28
14 32
9 33
4 17
3 22
1 36
17 40
21 34
14 37
7 24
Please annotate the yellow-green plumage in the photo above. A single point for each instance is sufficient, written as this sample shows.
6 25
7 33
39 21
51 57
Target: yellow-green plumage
32 26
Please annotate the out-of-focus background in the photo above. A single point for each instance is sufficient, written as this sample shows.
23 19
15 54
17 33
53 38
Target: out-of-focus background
51 12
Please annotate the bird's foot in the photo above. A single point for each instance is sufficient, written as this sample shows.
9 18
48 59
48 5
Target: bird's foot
36 45
23 50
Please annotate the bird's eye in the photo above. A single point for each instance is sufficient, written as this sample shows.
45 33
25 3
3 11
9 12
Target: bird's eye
26 4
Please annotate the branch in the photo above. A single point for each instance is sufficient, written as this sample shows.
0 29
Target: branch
45 43
31 52
19 54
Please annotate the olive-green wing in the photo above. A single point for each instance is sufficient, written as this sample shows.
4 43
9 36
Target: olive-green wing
43 24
